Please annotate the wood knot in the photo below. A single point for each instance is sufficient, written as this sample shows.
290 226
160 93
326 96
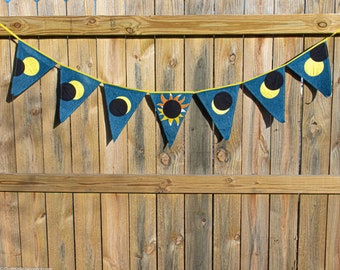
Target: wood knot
222 155
17 25
237 237
179 240
165 159
36 111
130 30
232 57
229 180
91 21
172 62
150 248
78 67
322 24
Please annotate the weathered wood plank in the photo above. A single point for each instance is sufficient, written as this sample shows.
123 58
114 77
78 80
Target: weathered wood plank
286 152
198 145
57 154
170 231
255 148
333 233
113 155
87 226
143 241
85 149
312 232
141 149
287 184
255 231
204 24
10 249
115 231
29 158
316 134
60 230
228 69
227 231
170 208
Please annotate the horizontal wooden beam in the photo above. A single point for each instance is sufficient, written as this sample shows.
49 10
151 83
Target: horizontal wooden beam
171 25
320 184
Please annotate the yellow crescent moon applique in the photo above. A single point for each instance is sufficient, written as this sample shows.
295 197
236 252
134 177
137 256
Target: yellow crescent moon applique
270 88
221 103
120 106
79 87
31 66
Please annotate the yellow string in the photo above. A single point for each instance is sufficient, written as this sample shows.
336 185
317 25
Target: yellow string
172 92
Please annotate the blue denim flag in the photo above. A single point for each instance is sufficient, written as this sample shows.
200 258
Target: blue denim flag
315 69
171 110
29 66
220 104
75 88
121 103
269 90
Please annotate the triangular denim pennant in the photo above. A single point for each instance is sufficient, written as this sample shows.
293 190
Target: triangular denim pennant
314 67
220 104
75 88
171 110
29 66
121 103
269 90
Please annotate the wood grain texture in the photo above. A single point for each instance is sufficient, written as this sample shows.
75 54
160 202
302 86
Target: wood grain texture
57 154
170 231
85 149
142 25
333 233
141 149
227 231
286 153
198 208
115 231
113 155
87 226
143 237
279 184
29 155
228 68
255 231
10 249
255 148
312 232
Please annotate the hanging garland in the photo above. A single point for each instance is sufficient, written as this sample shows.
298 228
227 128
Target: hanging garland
30 65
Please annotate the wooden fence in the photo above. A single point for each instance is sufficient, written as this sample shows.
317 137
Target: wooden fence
268 198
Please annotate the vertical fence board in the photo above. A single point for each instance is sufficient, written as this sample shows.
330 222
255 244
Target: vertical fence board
141 128
255 148
170 208
312 232
59 210
112 69
285 153
333 233
315 160
198 208
143 245
227 153
87 224
10 250
113 159
82 56
57 153
227 231
29 154
170 231
115 231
